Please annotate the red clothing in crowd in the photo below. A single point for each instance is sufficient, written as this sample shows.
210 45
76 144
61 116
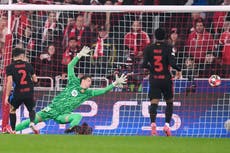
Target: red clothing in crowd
199 44
225 41
136 42
19 24
218 20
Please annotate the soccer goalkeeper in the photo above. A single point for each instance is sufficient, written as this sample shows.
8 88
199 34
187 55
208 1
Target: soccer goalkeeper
76 92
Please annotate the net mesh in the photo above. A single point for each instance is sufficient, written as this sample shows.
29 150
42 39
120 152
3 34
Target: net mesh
201 43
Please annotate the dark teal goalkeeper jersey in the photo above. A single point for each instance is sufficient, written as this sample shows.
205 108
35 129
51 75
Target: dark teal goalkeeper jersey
73 95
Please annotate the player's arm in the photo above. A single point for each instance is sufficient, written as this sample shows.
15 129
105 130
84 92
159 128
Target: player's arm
145 63
34 78
117 83
84 52
9 84
102 91
172 62
71 66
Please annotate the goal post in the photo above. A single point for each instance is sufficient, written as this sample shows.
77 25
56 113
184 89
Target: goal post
119 8
7 60
53 34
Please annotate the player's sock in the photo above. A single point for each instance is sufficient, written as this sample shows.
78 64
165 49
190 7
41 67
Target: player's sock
153 112
154 129
168 112
167 124
23 125
32 115
12 120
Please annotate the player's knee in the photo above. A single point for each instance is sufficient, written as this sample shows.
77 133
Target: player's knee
155 101
77 116
73 117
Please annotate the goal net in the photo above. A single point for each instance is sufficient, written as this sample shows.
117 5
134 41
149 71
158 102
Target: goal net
53 34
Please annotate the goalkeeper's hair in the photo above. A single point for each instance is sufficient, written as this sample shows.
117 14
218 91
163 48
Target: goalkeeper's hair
84 77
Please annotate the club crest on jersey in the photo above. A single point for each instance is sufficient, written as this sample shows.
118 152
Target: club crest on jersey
74 93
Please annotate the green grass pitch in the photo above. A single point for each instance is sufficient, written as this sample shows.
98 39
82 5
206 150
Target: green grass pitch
110 144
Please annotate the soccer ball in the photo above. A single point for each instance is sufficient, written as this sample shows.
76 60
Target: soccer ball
227 125
214 80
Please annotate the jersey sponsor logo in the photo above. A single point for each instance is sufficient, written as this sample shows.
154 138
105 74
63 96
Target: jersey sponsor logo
116 115
74 93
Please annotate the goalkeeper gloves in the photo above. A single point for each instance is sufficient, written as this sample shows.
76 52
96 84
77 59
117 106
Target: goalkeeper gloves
84 52
120 81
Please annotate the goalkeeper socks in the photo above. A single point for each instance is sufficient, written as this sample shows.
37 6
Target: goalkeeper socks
168 112
23 125
12 121
153 112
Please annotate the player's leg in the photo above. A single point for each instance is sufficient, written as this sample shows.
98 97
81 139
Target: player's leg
153 113
168 117
154 96
14 104
73 119
11 128
39 117
168 96
12 117
30 105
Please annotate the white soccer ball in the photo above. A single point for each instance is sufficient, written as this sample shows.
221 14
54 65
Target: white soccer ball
227 125
214 80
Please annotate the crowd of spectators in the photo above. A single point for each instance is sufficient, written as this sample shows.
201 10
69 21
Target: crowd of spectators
200 40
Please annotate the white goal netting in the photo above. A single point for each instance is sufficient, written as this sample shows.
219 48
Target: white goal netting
52 35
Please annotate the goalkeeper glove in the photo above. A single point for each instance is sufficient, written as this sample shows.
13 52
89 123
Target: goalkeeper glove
84 52
120 81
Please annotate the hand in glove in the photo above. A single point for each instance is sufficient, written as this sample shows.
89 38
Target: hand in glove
84 52
120 81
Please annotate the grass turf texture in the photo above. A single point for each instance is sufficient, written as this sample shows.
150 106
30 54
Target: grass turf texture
110 144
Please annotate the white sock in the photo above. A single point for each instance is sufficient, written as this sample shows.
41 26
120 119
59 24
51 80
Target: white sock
167 124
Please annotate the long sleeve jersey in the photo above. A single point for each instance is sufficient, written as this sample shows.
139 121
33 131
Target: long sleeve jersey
73 95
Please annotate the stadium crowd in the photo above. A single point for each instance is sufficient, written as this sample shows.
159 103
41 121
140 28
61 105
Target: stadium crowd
201 40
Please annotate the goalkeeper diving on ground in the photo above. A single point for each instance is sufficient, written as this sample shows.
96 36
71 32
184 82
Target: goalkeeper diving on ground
76 92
